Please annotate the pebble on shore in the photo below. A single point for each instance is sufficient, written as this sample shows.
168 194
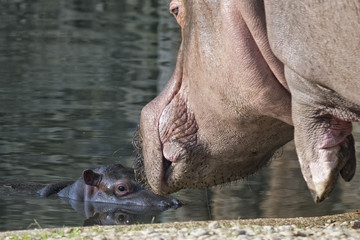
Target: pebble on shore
328 227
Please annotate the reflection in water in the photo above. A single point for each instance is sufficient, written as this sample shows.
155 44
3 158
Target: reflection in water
95 213
112 214
74 76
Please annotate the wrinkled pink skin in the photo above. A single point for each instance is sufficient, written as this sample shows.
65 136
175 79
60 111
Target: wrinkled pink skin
228 107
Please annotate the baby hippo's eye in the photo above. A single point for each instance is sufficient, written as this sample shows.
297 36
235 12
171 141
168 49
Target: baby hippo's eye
121 218
123 187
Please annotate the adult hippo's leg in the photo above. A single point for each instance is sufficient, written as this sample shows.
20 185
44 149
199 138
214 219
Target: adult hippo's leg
318 42
323 137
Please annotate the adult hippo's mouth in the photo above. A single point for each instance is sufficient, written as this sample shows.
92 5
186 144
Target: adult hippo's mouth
175 140
167 133
177 152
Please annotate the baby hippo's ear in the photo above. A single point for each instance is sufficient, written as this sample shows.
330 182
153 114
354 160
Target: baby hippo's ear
91 178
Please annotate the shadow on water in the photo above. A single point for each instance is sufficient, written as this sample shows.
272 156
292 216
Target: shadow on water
74 76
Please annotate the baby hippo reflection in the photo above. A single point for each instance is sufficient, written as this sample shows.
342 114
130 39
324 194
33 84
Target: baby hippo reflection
114 184
97 213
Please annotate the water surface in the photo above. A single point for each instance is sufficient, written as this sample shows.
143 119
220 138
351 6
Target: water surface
74 76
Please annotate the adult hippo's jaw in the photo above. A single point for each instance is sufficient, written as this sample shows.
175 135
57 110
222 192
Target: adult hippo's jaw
226 108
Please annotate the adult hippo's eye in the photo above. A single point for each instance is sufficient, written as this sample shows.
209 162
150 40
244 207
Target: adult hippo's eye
175 11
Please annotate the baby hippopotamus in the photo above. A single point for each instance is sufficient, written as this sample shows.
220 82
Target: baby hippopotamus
114 184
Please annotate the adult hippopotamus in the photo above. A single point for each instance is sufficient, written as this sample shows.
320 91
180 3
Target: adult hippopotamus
247 75
114 184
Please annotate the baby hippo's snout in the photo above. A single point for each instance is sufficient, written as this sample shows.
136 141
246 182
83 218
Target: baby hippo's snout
170 203
176 203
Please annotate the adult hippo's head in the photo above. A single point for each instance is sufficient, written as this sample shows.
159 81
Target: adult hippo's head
226 108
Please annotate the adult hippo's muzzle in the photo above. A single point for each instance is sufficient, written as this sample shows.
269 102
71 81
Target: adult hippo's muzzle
168 135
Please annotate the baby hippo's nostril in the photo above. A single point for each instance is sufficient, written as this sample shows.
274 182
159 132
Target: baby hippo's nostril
170 203
164 204
176 203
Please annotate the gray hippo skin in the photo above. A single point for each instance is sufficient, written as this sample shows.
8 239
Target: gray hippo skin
319 44
112 184
231 102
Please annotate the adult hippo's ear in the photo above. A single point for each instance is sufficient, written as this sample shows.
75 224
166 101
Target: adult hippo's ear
91 178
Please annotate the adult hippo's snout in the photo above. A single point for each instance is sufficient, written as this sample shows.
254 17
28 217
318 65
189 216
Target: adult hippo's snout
226 108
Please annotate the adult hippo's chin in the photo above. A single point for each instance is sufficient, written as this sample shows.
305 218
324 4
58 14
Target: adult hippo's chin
228 105
226 108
